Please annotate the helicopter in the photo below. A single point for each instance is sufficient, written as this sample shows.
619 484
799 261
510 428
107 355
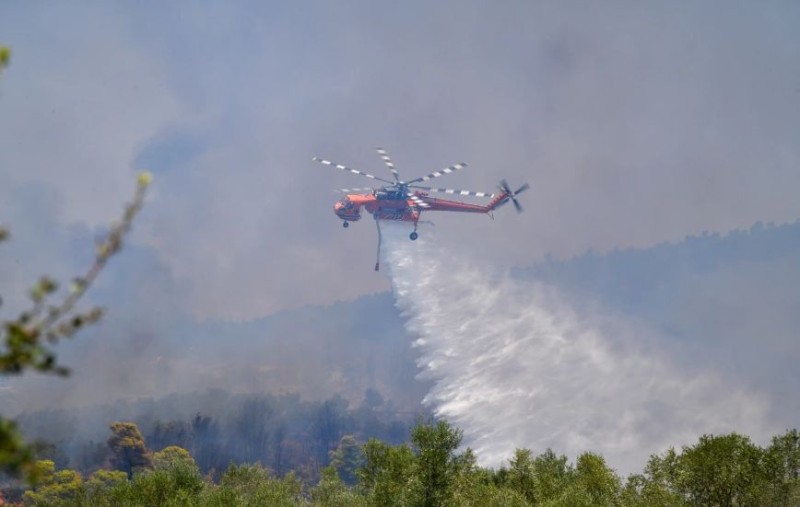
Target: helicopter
405 201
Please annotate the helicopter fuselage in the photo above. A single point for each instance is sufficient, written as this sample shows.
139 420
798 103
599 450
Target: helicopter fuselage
387 205
381 207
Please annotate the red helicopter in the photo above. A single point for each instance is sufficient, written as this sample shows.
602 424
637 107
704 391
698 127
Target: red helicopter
405 201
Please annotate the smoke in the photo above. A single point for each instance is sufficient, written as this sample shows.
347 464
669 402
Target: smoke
515 364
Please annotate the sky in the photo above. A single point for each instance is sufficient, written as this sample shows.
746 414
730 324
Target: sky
634 123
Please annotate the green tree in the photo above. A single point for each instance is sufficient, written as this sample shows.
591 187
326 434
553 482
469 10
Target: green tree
174 485
173 456
251 485
552 476
130 454
641 491
521 474
103 481
782 469
479 487
436 461
54 486
657 485
723 471
387 475
332 492
599 481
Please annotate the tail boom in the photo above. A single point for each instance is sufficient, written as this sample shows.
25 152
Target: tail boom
498 201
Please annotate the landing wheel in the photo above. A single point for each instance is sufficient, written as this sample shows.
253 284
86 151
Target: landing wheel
345 224
413 235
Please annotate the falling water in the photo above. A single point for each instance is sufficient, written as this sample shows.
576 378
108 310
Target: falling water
514 364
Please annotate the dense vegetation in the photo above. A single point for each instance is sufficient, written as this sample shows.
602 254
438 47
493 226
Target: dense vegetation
282 432
430 470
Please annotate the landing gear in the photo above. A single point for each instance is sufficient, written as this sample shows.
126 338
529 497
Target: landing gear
413 235
345 224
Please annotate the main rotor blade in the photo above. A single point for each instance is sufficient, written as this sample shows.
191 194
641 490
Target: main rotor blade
354 190
389 163
347 169
453 191
436 174
416 200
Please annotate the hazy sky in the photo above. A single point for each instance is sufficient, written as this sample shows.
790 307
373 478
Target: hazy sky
635 123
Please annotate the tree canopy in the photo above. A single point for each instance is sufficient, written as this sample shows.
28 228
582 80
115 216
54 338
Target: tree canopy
431 469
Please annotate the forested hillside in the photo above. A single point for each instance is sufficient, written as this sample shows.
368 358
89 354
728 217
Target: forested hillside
636 280
709 291
282 432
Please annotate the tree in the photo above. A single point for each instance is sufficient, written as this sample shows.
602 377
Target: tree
435 463
655 487
782 468
92 455
332 492
594 477
327 426
722 470
346 459
177 484
173 456
252 425
169 433
478 487
521 474
252 485
552 475
104 480
387 476
206 446
130 454
63 485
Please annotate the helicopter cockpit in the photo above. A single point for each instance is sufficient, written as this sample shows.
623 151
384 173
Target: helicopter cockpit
347 209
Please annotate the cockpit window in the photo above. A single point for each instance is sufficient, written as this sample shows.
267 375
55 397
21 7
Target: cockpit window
346 203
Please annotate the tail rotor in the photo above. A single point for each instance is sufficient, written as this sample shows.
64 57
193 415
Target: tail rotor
513 195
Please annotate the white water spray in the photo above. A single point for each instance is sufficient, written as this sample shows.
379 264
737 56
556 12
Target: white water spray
515 365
